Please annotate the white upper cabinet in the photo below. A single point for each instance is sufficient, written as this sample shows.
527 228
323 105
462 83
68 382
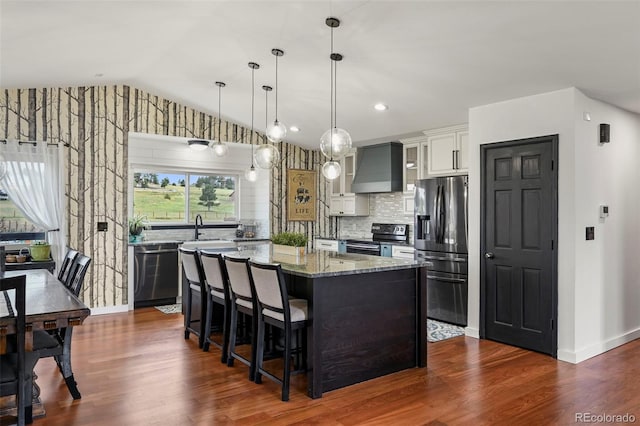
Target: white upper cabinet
343 202
447 151
439 152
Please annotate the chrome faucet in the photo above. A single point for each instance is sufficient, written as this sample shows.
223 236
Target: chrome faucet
195 226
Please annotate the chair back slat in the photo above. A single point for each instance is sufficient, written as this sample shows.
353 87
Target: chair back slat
268 286
67 263
76 281
239 281
213 270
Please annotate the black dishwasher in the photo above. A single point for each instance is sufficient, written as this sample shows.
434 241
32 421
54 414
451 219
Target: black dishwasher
155 274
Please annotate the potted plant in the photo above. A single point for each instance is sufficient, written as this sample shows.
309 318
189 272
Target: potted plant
137 224
291 243
40 250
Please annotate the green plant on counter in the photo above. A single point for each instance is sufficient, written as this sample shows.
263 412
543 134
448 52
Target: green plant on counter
39 243
295 239
137 224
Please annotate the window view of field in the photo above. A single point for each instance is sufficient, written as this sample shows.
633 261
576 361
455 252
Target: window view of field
12 219
161 197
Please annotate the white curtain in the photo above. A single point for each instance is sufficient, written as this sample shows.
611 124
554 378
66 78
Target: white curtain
34 181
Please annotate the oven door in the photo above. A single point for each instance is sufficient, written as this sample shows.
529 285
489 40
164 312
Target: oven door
363 248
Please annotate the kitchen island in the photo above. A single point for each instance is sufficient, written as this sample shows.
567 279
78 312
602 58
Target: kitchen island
367 314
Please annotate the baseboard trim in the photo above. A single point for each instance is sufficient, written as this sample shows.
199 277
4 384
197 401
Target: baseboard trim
472 332
103 310
598 348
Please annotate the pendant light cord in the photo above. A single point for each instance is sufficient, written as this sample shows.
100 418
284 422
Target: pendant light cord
219 104
253 72
331 120
276 87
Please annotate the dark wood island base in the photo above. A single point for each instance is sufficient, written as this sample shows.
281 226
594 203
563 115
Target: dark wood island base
363 326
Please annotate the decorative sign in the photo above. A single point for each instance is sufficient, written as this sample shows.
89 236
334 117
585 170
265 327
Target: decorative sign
301 194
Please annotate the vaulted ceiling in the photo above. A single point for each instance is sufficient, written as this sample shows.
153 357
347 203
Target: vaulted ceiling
430 61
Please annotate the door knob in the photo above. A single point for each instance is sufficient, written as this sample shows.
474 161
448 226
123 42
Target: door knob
488 255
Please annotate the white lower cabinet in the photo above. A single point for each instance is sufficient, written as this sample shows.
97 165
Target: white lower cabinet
329 245
349 205
405 252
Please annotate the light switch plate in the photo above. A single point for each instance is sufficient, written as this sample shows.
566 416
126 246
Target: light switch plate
590 233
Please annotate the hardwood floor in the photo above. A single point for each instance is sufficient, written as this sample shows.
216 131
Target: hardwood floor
136 369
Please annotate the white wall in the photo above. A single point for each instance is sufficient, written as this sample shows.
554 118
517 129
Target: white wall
593 310
607 277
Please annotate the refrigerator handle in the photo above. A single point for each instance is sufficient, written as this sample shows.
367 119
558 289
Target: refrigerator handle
441 215
436 231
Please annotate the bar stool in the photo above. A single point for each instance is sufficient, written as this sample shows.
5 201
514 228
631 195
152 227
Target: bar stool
193 272
215 277
242 301
275 308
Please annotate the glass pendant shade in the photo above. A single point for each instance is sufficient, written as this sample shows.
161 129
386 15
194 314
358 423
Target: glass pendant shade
331 170
251 174
335 143
220 149
266 156
276 131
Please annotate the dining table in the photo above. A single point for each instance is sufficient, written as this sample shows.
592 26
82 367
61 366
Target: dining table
49 305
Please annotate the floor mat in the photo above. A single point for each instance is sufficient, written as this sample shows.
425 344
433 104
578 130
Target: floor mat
437 331
170 309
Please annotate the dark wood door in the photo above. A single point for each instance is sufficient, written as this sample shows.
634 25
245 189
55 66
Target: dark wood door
519 272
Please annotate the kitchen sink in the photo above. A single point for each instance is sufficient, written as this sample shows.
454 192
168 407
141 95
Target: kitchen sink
208 244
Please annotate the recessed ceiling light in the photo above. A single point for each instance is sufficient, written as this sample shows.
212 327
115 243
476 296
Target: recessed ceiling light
381 107
294 128
99 75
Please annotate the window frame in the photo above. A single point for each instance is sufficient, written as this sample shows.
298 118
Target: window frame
187 172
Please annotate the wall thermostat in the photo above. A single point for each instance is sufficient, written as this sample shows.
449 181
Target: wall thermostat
604 211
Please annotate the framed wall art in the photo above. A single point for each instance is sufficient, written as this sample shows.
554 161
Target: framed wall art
302 194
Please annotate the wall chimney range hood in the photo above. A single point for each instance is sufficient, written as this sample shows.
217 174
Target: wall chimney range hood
378 168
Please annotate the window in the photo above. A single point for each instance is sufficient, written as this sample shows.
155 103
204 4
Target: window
178 197
11 218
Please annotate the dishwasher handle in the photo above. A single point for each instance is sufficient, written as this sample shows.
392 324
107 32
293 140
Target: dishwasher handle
157 251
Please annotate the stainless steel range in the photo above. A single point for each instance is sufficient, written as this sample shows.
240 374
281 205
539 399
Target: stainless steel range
381 235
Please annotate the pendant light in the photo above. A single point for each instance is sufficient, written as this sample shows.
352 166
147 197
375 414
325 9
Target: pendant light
335 143
219 148
276 131
266 156
251 174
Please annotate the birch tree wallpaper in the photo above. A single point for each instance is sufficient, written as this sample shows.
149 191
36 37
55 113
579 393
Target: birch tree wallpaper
91 125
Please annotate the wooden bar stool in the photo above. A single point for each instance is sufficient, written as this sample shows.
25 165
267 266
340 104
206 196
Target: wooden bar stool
193 272
242 301
275 308
217 287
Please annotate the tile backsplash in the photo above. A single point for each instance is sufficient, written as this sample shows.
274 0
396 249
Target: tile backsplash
383 208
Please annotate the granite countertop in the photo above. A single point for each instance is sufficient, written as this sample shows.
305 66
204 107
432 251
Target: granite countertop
322 263
204 240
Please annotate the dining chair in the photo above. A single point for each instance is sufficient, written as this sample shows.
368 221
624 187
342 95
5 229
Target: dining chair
277 309
51 343
192 270
16 367
65 268
242 295
215 277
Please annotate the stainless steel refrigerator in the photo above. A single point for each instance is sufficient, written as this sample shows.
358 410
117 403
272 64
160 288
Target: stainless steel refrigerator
440 240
